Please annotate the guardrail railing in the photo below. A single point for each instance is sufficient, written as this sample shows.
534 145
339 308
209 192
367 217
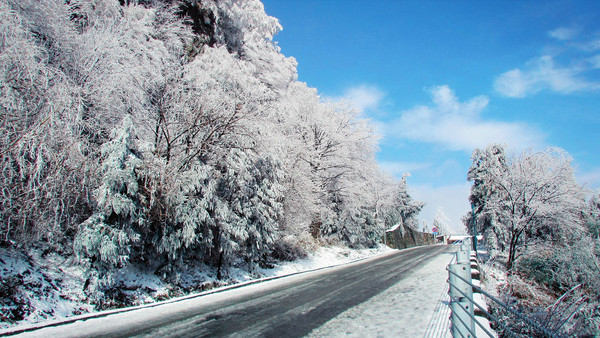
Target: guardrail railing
462 304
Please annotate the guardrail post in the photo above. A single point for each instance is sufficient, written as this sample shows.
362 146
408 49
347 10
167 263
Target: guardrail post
463 322
463 257
461 302
466 245
461 318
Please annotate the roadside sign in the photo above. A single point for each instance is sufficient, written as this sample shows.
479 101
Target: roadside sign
434 230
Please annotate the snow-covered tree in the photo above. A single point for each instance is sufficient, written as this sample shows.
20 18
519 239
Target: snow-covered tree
107 236
593 216
440 221
328 157
486 164
212 107
533 196
225 213
43 169
250 188
404 209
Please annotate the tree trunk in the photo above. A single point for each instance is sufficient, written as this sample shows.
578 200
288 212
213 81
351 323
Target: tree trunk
219 266
512 250
315 228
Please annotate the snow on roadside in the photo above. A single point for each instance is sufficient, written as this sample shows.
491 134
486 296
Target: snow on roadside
413 301
324 257
39 287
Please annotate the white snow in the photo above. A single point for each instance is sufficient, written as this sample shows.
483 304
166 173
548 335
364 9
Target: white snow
439 325
48 284
394 227
324 257
404 310
479 299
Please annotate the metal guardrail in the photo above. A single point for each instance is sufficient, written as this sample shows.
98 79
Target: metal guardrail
462 304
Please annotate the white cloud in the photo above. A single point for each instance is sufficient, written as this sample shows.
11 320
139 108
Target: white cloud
458 125
589 46
513 83
453 200
595 61
365 97
542 73
564 33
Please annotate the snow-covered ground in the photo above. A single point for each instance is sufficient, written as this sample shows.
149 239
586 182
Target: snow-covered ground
50 288
404 310
37 287
324 257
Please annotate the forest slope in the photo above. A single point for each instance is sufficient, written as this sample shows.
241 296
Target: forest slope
163 136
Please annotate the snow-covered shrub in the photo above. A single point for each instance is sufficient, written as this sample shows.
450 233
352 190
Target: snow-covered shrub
562 267
14 307
572 311
289 249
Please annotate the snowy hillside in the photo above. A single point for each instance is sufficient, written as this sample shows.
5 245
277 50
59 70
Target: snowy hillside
168 140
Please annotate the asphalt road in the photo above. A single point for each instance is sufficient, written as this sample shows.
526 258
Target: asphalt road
286 307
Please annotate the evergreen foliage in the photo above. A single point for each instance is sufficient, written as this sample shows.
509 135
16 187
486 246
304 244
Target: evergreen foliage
106 237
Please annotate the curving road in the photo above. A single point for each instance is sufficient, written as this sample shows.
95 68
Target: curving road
286 307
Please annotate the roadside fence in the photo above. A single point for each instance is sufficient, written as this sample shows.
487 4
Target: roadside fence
462 304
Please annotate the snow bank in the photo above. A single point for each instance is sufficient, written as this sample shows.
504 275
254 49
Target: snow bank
39 287
324 257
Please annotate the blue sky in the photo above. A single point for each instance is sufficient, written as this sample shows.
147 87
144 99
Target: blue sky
440 78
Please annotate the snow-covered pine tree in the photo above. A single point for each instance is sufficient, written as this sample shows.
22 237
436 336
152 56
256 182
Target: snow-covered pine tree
262 207
184 216
107 236
250 189
404 209
223 214
488 166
